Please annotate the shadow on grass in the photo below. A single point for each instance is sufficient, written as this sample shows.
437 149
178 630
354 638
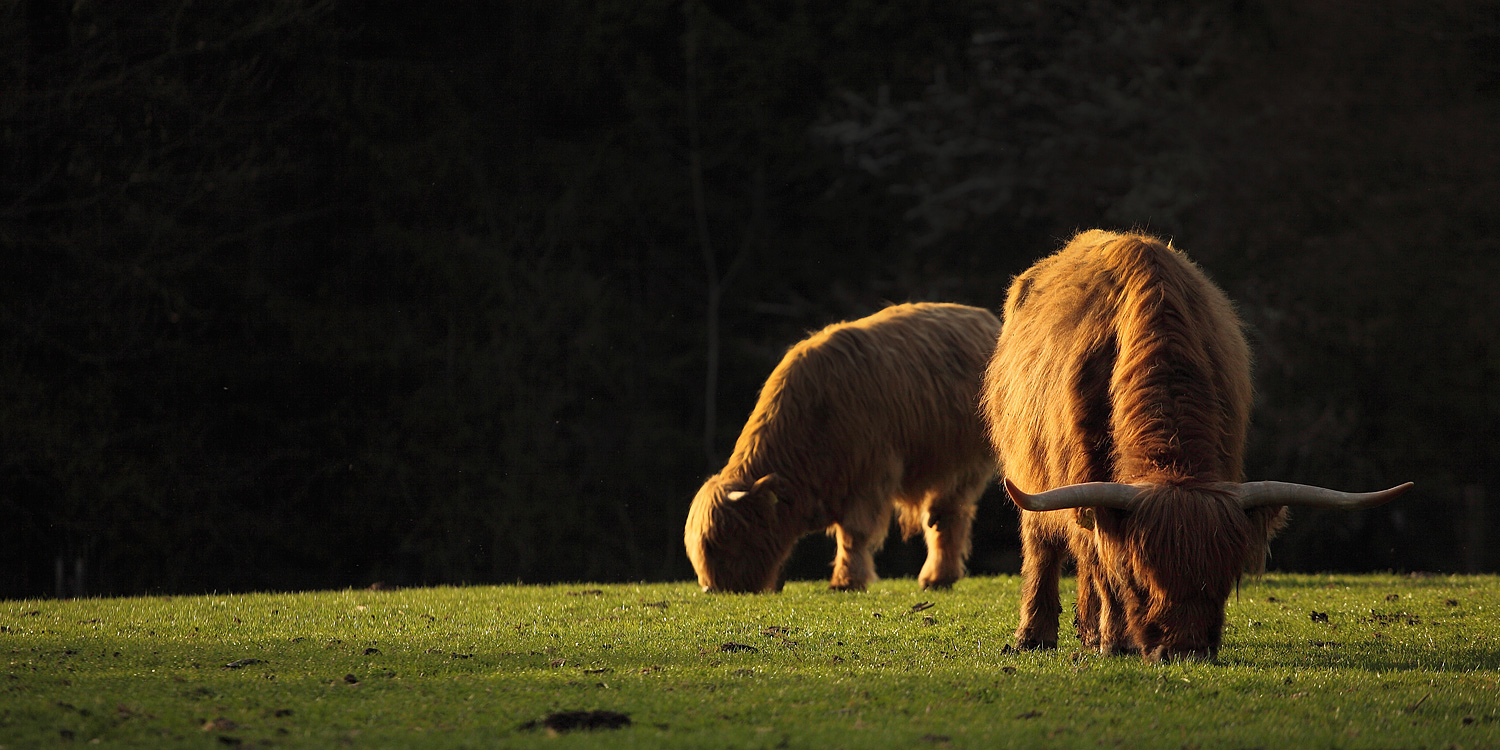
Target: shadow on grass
1341 654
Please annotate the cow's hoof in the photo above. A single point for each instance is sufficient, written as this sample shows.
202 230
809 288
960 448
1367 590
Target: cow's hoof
1162 655
1032 644
846 587
939 584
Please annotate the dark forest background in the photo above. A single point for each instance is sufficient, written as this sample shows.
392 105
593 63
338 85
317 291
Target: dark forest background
305 294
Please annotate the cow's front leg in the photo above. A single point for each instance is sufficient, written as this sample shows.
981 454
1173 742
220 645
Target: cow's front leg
860 533
1041 560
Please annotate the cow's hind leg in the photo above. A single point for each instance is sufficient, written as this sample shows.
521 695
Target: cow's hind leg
947 519
1086 612
1113 636
1101 614
860 533
1041 563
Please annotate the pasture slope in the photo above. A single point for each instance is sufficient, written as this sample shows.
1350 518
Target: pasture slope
1308 661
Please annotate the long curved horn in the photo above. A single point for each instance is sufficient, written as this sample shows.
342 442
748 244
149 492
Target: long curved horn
1255 494
1088 494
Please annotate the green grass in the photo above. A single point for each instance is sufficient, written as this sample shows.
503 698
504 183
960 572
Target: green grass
1400 662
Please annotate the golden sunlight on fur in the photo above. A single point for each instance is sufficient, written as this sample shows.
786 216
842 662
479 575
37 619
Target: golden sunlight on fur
1119 393
1121 362
862 420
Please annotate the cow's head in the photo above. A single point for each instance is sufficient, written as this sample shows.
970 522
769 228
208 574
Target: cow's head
739 535
1173 554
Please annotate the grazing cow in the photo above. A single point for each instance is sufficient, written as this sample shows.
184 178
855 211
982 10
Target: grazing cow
1119 392
862 418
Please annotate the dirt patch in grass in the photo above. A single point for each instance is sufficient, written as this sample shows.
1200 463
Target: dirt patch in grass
1391 618
569 721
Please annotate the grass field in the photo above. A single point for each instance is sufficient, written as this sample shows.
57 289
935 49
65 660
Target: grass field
1308 661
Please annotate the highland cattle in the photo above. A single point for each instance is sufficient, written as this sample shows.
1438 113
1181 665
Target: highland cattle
860 421
1118 401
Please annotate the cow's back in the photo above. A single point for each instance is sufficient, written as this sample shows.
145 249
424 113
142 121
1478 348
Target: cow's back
898 386
1118 361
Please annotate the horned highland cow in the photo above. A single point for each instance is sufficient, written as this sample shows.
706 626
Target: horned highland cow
859 420
1119 393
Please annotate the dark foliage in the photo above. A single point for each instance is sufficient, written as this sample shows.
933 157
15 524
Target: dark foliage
307 294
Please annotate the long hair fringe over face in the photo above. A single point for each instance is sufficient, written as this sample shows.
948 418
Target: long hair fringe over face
740 544
1176 557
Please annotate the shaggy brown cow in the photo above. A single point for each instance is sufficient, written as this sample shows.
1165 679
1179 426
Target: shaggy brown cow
1121 386
860 419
